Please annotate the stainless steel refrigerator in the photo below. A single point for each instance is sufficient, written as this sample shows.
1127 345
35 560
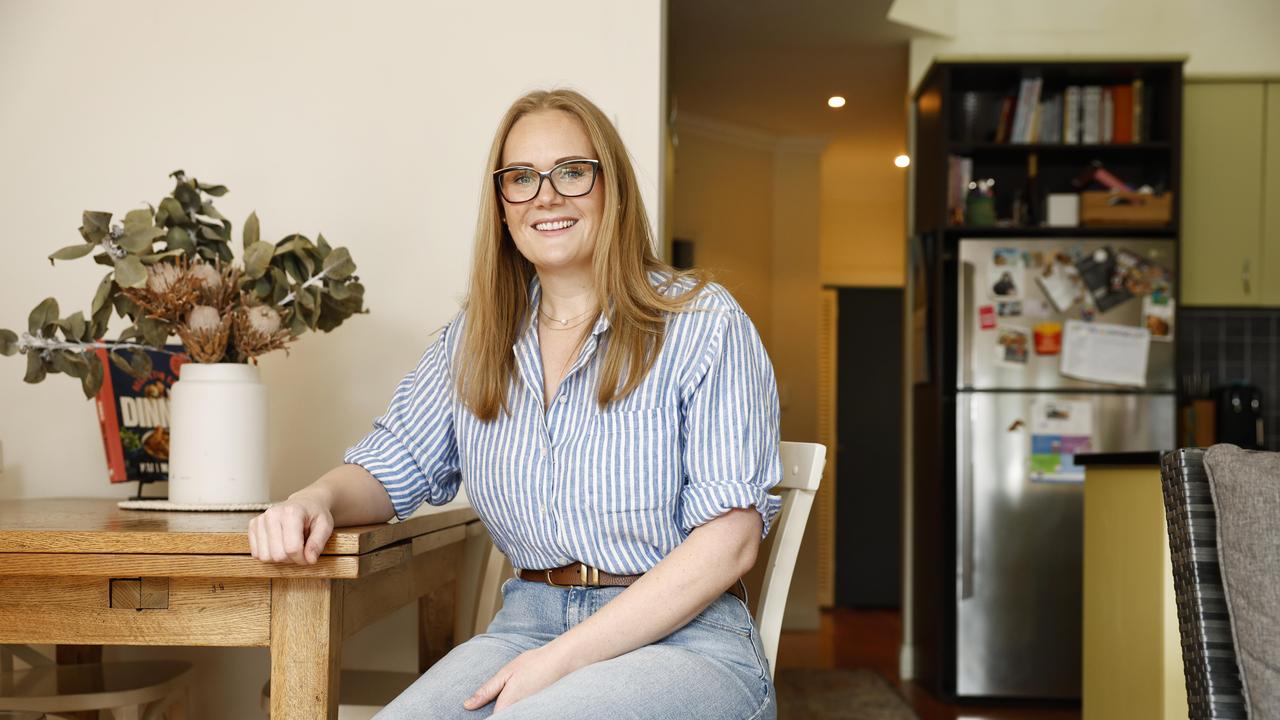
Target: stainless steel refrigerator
1018 521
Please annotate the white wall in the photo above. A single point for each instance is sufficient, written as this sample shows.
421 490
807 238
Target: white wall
1218 36
368 121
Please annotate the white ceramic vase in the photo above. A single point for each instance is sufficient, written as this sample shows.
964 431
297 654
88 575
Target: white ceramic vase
218 435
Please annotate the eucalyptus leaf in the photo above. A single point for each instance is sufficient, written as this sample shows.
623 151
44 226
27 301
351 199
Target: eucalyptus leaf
94 225
304 257
211 233
222 251
35 367
322 247
179 239
294 269
125 307
130 273
207 253
262 287
119 361
8 342
140 363
305 299
338 290
154 332
104 259
208 210
92 382
102 295
73 326
46 313
338 264
70 363
250 231
214 190
171 213
129 333
71 252
188 196
296 324
157 257
140 240
257 257
139 219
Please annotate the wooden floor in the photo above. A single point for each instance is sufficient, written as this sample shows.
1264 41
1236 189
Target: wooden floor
870 639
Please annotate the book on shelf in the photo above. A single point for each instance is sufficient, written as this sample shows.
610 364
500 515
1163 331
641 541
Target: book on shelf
1107 118
959 175
133 413
1071 115
1122 124
1091 114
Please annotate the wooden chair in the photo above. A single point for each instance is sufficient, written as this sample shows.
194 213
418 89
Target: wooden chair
142 690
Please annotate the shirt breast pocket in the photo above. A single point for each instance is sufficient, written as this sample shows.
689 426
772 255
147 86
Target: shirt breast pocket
635 459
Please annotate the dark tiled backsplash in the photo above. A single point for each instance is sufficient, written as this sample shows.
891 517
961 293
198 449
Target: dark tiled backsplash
1235 344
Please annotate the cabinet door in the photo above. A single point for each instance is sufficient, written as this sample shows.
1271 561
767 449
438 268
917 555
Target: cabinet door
1222 193
1270 279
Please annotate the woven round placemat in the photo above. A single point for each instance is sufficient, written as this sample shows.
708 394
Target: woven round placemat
168 506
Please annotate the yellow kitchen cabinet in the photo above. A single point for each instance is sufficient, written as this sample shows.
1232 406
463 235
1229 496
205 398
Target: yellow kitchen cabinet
1271 201
1222 199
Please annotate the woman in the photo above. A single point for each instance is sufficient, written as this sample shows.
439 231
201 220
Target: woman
616 424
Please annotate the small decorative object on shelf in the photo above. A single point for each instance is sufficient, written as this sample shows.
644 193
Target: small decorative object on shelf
172 272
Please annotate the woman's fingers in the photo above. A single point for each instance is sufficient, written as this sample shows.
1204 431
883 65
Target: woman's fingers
292 533
488 691
321 528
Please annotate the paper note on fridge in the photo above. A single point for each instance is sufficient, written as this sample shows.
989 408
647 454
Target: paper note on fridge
1105 353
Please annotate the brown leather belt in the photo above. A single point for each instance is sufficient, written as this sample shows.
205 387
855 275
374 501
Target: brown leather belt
582 575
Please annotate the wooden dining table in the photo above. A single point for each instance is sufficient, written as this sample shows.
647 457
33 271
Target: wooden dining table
82 573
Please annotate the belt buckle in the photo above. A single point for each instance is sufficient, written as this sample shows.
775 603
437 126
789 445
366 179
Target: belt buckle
583 576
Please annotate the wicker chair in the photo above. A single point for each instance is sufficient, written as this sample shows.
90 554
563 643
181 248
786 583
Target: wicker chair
1209 662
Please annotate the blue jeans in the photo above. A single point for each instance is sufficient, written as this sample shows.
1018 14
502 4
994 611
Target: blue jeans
712 668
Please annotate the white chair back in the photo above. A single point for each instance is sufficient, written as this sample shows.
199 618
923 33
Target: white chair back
802 465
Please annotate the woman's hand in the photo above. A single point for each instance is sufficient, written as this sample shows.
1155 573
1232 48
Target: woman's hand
531 671
295 530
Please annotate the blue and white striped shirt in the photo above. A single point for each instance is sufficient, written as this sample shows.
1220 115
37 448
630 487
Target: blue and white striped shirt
617 489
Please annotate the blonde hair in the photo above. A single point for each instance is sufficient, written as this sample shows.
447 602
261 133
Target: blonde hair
497 304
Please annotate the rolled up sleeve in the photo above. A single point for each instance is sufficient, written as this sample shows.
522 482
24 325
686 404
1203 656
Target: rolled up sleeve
412 449
730 429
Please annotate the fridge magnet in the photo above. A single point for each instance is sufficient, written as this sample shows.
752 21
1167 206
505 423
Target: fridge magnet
1105 353
1005 274
1013 345
1098 273
1060 284
987 317
1009 308
1059 430
1158 318
1048 338
1037 309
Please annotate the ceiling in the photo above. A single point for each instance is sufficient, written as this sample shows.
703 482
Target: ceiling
771 65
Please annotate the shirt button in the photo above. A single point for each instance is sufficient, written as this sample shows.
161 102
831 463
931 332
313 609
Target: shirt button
564 399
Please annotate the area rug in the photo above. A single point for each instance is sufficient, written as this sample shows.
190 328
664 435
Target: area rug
817 694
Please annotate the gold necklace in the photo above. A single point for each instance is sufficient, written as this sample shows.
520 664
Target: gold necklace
580 323
566 321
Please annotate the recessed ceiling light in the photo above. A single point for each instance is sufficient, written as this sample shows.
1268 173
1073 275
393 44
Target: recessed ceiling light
835 101
902 161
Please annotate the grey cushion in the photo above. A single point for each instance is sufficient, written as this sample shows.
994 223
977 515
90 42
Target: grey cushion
1246 495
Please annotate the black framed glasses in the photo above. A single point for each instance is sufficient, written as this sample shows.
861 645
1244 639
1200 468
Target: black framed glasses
571 178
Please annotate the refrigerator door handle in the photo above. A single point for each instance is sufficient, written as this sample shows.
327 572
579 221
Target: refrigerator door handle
964 458
964 324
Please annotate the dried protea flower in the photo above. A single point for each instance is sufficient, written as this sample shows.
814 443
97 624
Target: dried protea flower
207 276
162 277
205 334
203 318
169 293
257 330
263 319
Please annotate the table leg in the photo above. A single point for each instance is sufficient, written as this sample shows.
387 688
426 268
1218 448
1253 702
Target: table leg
306 648
435 624
80 655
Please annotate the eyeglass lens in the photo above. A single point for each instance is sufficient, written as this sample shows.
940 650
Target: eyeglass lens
570 179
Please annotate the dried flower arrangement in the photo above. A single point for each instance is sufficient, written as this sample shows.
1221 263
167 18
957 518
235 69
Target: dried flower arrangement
188 286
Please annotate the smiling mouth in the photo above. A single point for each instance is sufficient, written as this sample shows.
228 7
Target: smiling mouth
552 225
